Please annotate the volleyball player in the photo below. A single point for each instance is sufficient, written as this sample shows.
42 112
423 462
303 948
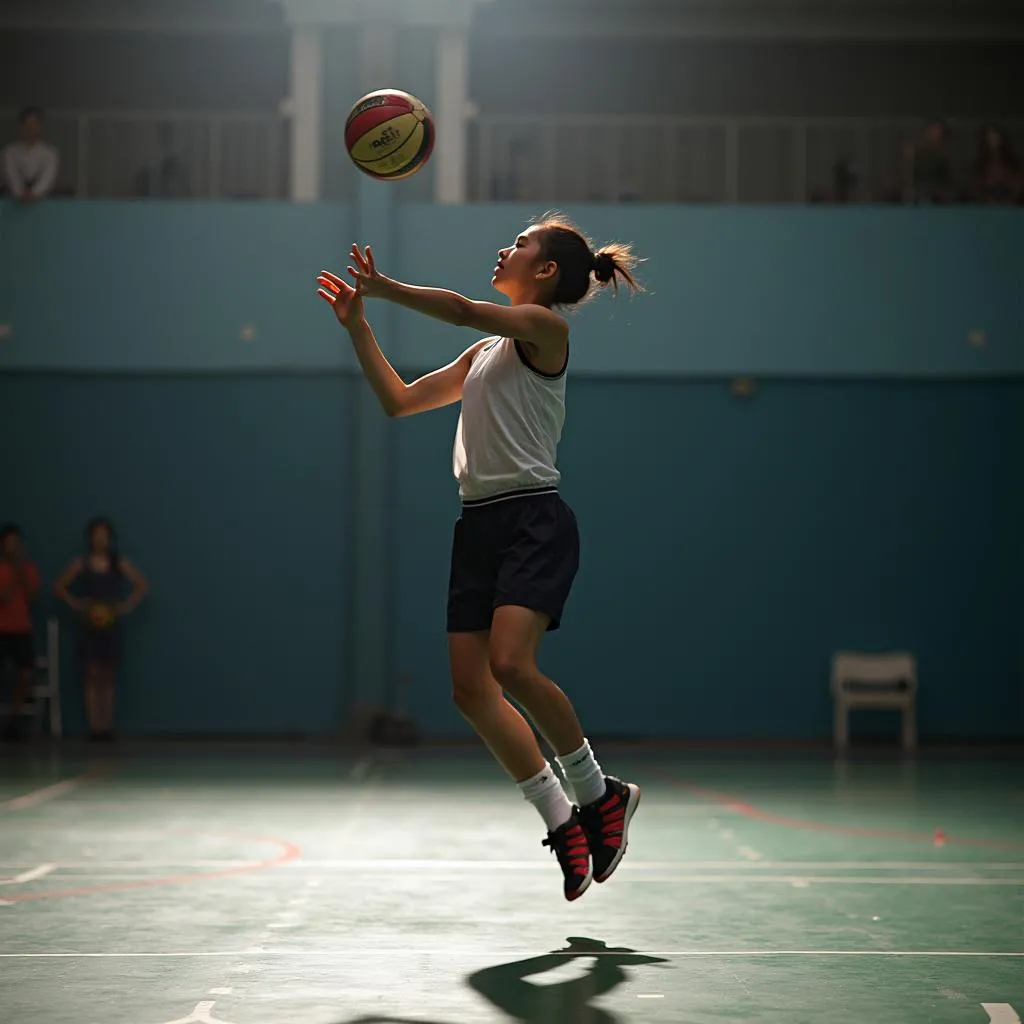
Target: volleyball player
516 544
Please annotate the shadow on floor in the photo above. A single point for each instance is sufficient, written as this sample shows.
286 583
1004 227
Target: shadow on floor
506 987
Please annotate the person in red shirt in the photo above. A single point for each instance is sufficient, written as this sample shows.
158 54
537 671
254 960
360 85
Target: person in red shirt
19 583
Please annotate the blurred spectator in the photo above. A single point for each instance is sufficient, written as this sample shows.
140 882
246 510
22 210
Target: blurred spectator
844 180
100 578
928 167
844 184
997 177
29 165
168 178
19 583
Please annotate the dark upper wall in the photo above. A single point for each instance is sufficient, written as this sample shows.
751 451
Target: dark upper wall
142 71
521 74
747 78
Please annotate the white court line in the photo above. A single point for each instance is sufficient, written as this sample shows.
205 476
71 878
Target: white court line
29 876
1000 1013
493 953
44 795
801 881
202 1014
155 865
386 864
741 879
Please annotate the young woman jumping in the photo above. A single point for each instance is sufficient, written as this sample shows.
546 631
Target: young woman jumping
516 545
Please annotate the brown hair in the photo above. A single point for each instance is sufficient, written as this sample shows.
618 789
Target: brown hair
579 265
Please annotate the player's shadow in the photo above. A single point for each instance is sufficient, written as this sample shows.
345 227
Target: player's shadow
562 1002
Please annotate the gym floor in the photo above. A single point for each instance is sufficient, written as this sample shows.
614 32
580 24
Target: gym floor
298 889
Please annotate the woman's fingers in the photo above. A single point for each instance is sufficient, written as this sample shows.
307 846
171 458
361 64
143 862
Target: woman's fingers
357 255
330 283
328 296
364 257
331 278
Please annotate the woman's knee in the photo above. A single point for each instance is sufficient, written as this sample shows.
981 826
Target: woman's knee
472 685
515 635
512 666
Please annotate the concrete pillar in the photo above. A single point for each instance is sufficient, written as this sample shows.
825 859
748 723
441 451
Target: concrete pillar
305 107
451 112
378 54
371 664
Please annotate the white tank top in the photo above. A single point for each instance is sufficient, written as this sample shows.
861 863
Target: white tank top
509 425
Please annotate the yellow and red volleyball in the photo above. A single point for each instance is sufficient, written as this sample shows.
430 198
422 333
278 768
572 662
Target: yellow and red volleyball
389 134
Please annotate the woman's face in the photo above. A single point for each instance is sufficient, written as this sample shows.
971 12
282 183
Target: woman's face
516 270
993 141
100 538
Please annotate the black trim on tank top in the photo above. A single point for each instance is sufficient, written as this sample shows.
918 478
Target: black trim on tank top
524 359
519 492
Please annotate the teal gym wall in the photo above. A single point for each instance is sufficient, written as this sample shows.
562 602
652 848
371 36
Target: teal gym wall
168 364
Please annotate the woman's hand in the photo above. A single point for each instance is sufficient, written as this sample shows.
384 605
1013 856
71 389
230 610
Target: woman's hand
368 279
346 301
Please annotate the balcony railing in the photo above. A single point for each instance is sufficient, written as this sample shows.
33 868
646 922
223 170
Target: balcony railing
169 154
694 160
577 158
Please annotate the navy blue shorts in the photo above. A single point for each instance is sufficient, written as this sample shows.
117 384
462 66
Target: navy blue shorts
522 550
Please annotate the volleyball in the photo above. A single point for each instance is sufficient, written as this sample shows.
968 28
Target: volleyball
101 616
389 134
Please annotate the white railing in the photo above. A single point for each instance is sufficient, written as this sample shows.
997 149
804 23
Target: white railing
570 158
693 160
169 154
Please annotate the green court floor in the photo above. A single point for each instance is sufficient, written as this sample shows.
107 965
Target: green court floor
285 889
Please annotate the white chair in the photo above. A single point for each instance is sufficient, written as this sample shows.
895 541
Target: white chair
887 680
45 692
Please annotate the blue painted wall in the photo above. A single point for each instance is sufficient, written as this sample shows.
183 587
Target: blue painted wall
729 547
168 285
799 291
793 291
231 493
855 500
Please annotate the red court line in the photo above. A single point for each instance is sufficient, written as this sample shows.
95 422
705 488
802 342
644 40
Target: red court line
738 806
289 852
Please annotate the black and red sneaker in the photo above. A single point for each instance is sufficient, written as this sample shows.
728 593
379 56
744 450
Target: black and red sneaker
573 852
606 823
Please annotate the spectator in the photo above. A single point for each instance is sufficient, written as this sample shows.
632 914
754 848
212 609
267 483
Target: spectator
29 166
997 177
19 583
100 577
844 180
929 168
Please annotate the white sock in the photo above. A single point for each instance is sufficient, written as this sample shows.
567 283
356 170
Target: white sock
545 792
584 774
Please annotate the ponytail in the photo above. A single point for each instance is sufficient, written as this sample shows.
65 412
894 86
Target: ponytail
579 266
613 261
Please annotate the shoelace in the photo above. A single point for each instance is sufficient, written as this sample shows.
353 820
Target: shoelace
570 848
